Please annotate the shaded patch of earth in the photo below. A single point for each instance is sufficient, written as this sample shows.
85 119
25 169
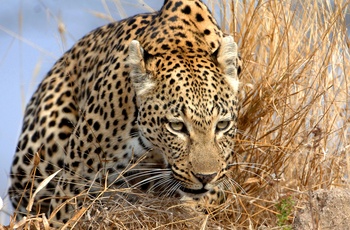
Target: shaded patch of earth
326 209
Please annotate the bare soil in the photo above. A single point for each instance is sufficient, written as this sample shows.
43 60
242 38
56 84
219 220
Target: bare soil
326 209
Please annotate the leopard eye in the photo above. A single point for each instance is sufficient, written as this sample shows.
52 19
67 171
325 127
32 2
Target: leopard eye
178 126
223 125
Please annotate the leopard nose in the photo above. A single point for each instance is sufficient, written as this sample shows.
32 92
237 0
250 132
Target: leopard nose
205 178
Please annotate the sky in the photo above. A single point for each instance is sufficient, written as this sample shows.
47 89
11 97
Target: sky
30 43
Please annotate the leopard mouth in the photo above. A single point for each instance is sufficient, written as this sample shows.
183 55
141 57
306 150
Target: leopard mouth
194 191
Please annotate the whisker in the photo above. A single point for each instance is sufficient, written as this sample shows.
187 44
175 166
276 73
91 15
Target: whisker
172 188
162 182
253 166
149 180
229 183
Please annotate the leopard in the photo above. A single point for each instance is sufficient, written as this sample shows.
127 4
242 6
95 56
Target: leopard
158 90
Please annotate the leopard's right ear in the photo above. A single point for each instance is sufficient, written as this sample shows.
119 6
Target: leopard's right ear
229 61
139 76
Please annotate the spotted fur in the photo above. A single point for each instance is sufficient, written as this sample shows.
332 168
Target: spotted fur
160 88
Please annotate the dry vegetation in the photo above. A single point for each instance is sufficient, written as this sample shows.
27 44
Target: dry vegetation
294 122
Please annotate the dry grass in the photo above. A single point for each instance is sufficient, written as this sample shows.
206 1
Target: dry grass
294 121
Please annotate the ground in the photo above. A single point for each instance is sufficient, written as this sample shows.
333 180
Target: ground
326 209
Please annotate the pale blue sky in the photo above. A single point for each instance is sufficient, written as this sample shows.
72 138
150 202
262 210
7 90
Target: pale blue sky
36 42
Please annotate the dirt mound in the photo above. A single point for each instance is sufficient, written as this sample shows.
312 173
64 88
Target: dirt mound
326 209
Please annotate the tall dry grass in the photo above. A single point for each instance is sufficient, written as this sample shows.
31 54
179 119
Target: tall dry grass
295 109
294 133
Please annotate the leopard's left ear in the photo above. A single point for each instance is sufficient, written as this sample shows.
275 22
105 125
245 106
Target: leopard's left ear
139 76
229 61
